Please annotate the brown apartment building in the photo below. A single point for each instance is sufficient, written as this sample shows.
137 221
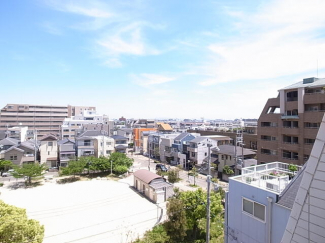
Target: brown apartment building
288 124
43 119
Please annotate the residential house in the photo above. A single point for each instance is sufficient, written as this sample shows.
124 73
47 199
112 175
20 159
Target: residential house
180 154
126 132
139 144
6 143
19 133
198 149
153 186
67 151
165 148
94 143
49 150
121 143
164 127
20 153
226 155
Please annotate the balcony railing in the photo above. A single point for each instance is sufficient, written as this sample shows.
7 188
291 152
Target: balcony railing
289 117
272 176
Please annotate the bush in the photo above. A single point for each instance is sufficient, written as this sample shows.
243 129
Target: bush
67 180
227 170
120 169
1 184
173 175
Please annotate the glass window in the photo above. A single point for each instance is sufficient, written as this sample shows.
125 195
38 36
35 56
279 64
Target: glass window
248 206
259 211
50 144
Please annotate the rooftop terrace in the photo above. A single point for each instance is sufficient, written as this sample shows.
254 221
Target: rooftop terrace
273 176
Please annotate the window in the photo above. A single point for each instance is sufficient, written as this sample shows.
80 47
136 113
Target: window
205 154
50 144
108 152
13 157
254 209
193 154
108 143
65 136
222 156
87 143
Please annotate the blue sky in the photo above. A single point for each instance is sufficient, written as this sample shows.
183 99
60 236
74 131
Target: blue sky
158 59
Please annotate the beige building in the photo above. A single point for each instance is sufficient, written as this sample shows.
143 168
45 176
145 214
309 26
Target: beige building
20 153
43 119
288 124
153 186
49 150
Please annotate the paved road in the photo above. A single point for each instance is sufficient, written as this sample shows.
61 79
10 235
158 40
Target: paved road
142 162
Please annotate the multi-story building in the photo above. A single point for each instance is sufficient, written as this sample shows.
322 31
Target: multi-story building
49 150
198 149
42 119
20 153
288 124
87 120
67 151
139 144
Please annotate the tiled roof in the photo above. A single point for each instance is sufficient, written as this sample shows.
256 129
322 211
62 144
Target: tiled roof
92 133
181 136
9 141
199 139
288 195
48 137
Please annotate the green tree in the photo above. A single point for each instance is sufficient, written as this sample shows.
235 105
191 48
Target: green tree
4 165
31 170
120 162
227 170
156 235
73 168
175 226
173 175
15 227
195 208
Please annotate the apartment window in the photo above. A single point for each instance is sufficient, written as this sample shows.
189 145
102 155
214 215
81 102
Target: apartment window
87 143
222 157
50 144
311 125
254 209
65 130
108 152
65 136
108 143
193 154
205 154
269 124
309 141
292 96
13 157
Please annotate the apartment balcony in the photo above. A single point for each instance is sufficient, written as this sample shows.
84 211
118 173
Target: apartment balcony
289 117
314 98
28 158
290 131
91 146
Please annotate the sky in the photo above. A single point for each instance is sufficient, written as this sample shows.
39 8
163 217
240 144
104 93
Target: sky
159 59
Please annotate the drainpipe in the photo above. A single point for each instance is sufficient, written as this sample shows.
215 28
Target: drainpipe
269 219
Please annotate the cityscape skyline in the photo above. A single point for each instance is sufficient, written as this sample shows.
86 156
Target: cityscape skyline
216 59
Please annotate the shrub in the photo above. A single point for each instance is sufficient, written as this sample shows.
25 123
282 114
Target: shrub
120 169
1 184
173 175
227 170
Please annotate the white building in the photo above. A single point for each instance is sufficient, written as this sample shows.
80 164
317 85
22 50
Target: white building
198 149
70 126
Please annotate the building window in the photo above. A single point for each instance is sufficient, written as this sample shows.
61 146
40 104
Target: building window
108 143
50 144
13 157
193 154
65 136
87 143
254 209
108 152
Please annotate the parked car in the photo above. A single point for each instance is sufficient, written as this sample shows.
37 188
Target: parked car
161 167
6 174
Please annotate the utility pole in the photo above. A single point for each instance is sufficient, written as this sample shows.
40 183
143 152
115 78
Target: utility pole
149 156
208 194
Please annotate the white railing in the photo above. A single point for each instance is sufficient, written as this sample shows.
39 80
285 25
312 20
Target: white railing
272 176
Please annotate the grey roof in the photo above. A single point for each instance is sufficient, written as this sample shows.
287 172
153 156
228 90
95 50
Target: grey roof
118 137
126 129
9 141
14 148
230 150
66 140
120 146
288 195
181 136
92 133
317 83
160 184
146 175
199 139
48 137
28 145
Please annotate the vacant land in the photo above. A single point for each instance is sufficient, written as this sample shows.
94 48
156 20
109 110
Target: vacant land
86 211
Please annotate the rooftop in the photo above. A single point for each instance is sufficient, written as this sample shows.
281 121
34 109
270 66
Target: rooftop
307 83
273 176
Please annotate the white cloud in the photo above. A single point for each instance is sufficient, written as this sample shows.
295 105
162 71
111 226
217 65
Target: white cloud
93 9
127 40
52 28
280 40
147 79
